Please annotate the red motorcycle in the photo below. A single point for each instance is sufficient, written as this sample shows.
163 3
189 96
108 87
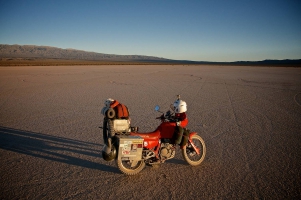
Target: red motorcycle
132 150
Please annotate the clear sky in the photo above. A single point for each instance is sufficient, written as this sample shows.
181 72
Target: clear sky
211 30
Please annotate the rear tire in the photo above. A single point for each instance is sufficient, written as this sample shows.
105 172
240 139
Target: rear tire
189 154
130 167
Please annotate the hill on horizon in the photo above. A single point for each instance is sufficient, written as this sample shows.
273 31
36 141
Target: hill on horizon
34 52
47 52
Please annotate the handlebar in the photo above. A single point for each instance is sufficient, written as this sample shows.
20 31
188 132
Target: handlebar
167 117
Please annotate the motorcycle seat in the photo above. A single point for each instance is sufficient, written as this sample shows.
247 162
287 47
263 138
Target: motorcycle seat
151 136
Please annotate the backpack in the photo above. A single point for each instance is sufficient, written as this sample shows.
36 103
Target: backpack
122 111
118 111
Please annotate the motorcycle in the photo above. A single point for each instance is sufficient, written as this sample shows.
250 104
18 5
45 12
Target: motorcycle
132 150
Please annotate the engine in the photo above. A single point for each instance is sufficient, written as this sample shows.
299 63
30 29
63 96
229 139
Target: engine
167 151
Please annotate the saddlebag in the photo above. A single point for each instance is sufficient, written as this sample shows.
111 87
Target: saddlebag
130 147
178 135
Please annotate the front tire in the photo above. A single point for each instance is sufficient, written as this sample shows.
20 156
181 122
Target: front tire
189 154
129 167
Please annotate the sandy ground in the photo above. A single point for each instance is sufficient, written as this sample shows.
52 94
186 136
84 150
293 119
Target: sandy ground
249 117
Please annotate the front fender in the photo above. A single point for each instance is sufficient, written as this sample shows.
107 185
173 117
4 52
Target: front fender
192 134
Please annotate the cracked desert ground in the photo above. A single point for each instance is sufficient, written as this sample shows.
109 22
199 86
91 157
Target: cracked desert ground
249 117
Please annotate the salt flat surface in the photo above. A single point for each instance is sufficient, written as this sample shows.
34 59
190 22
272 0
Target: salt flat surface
249 117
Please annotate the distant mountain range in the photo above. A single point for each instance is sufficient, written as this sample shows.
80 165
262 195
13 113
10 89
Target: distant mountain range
46 52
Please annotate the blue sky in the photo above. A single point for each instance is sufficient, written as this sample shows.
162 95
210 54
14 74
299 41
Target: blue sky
209 30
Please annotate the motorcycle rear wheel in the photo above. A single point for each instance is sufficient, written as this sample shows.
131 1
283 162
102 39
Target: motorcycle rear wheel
130 167
189 154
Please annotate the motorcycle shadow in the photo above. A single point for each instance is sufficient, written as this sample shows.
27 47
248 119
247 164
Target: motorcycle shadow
176 161
53 148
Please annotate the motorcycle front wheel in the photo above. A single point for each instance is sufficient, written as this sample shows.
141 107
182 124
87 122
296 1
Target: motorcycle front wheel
190 155
130 167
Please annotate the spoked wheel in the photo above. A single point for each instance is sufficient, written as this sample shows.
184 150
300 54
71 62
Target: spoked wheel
190 155
108 129
130 167
109 151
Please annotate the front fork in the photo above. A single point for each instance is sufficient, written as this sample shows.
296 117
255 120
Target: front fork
190 142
